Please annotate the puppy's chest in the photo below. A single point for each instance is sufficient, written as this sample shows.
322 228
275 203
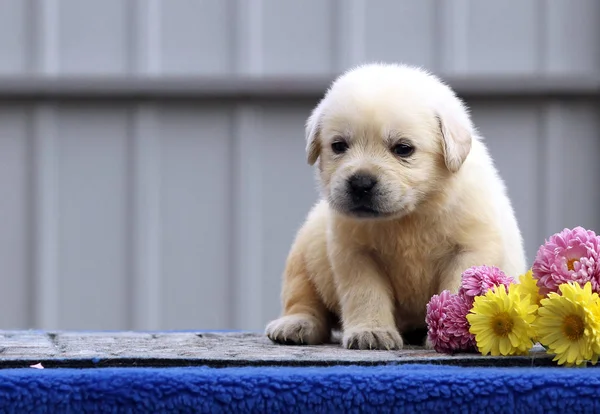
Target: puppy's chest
409 266
406 251
413 264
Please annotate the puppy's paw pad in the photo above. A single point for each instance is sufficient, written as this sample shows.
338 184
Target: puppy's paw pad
377 338
296 330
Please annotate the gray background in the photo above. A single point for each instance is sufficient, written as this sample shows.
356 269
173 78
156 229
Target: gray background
152 168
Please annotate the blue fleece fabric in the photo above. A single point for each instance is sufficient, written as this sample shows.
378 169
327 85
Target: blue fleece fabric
401 389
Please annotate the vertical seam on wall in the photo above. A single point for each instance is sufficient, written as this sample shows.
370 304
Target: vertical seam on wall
232 207
453 36
359 23
46 217
130 206
334 37
540 194
232 44
542 115
349 28
32 241
45 54
32 22
553 177
460 36
256 37
48 37
337 30
237 62
133 12
248 37
234 231
145 37
154 37
542 34
145 241
248 243
246 267
438 37
147 220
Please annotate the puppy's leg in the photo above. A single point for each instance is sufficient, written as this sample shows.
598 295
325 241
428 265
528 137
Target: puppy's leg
450 277
367 302
305 317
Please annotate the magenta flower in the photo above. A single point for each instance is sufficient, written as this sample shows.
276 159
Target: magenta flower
568 256
447 325
458 325
477 280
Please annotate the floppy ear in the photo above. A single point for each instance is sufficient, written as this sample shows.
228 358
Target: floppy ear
313 135
456 140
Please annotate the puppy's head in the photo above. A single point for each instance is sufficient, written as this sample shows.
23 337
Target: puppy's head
386 137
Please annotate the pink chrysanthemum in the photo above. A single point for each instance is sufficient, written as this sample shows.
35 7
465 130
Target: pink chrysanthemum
568 256
477 280
458 325
447 325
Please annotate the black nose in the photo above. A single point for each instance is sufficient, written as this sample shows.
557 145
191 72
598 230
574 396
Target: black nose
362 184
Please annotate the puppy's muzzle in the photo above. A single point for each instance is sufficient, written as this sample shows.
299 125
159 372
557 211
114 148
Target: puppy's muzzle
361 188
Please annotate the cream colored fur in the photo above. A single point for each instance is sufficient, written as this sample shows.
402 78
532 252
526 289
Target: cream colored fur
440 211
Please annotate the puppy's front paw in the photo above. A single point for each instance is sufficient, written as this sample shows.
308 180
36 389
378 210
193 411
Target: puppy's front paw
377 338
297 330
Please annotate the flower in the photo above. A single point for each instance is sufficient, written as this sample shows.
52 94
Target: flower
528 286
501 322
457 324
477 280
568 325
435 318
447 326
571 255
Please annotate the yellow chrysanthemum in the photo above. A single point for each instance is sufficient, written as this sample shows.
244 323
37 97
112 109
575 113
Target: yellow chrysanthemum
501 322
528 286
568 324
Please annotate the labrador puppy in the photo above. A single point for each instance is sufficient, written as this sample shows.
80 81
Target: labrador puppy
410 199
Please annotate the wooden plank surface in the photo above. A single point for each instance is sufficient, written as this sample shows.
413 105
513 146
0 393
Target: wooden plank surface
110 349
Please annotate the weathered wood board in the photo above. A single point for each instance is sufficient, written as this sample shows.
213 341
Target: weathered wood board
119 349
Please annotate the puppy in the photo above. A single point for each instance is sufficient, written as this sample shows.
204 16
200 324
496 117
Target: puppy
410 199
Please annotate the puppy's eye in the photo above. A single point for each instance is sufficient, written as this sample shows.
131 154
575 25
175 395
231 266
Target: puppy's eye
403 150
339 147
